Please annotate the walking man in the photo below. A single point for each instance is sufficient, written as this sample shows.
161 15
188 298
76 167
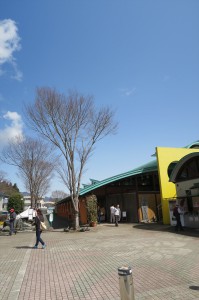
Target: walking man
12 221
176 213
112 214
117 214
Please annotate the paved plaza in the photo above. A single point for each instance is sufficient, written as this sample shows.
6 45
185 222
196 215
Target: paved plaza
83 265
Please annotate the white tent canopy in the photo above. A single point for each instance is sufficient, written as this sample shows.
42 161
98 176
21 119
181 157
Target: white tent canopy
28 214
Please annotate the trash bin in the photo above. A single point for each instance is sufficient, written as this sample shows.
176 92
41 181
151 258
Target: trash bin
126 283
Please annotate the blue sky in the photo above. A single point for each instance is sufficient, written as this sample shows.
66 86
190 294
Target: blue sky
140 57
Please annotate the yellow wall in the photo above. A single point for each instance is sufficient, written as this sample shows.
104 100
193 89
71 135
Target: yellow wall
165 156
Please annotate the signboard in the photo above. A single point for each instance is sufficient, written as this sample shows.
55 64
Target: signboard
30 214
144 207
171 207
51 217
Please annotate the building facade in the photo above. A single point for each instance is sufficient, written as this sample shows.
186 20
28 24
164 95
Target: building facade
137 192
185 176
144 194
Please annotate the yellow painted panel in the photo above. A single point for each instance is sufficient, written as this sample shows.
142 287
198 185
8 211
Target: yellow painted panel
165 156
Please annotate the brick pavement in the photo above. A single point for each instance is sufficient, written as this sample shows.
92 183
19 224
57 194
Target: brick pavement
83 265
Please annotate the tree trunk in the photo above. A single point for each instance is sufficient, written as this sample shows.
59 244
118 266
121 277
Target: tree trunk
75 202
32 199
76 220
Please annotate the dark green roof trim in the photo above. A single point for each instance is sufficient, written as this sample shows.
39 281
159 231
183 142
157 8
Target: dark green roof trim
149 167
85 185
190 146
93 181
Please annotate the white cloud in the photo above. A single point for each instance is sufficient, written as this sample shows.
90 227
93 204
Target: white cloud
9 43
13 129
128 92
18 74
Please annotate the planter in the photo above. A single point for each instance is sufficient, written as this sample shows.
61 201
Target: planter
93 224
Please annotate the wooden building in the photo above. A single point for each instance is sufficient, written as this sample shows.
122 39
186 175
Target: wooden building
137 192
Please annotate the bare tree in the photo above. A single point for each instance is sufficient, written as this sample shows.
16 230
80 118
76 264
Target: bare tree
35 164
58 195
74 125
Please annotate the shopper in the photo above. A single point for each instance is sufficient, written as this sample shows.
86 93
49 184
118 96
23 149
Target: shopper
38 219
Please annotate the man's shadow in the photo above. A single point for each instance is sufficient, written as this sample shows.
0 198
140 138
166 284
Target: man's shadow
24 247
194 287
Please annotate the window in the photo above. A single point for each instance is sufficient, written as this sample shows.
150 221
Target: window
193 169
189 170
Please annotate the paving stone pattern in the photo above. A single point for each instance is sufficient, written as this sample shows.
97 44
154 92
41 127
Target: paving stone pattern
83 265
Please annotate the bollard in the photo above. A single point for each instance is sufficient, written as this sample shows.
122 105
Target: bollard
126 283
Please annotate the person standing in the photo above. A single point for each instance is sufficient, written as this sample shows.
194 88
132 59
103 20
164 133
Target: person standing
112 214
176 213
98 214
38 219
117 214
12 221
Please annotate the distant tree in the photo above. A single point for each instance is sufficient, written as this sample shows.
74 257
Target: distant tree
15 187
15 201
74 125
7 188
58 195
35 163
3 176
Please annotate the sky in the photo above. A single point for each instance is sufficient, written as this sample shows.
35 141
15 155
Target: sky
139 57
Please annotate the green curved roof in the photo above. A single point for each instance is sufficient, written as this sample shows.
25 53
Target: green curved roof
149 167
193 145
